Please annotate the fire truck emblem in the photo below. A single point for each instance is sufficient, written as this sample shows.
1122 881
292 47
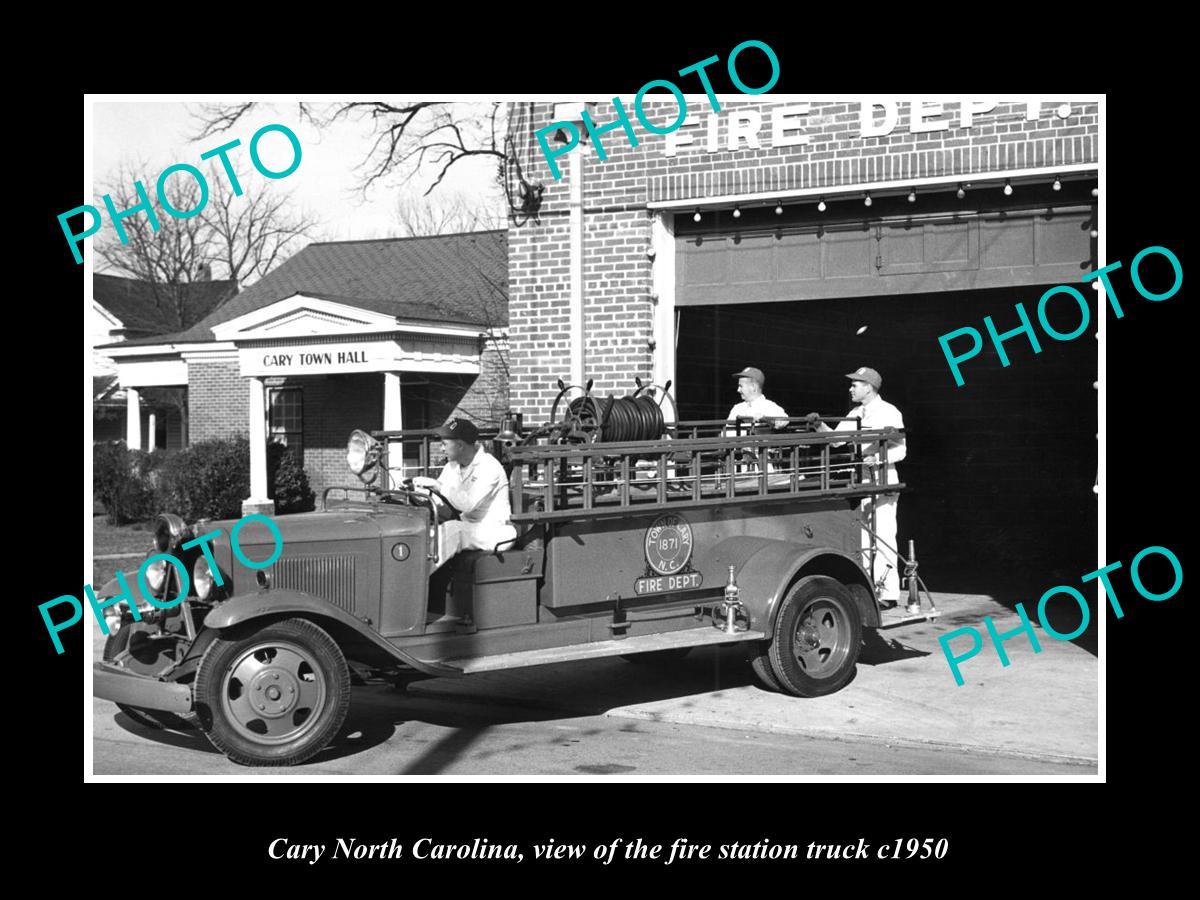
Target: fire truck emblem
668 552
668 544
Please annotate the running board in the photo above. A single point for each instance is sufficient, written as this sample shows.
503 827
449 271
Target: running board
667 640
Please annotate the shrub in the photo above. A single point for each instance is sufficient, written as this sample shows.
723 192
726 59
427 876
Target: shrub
289 483
212 478
207 480
123 480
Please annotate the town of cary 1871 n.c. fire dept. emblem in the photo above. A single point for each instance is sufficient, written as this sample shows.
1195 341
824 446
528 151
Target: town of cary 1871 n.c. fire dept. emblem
668 552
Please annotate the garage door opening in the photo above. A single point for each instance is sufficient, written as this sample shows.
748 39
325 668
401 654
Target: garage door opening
1000 491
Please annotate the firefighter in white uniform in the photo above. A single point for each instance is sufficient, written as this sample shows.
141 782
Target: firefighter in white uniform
474 481
876 412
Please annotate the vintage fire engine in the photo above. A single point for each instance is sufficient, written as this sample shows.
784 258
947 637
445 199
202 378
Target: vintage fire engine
637 537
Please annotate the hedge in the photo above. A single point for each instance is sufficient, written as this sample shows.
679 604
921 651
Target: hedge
209 479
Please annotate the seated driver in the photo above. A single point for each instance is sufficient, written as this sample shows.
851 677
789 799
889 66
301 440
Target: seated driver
474 482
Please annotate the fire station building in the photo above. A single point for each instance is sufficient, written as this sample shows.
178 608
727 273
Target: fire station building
808 239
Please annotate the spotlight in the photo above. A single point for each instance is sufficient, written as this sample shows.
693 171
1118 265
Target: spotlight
912 196
867 199
821 205
778 208
737 212
1007 188
961 192
696 217
1057 183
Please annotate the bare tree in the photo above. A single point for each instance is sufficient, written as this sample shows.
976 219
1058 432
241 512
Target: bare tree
167 259
252 233
231 238
423 216
418 139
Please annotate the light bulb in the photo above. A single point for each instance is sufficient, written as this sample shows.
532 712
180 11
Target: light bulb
1095 192
1095 233
821 205
1057 184
1007 188
912 196
961 192
779 209
696 217
867 200
737 213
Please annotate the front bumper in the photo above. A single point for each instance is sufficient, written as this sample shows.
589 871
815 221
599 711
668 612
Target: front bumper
122 686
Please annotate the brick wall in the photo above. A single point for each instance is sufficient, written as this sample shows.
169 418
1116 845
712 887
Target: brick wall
618 311
487 398
334 405
218 400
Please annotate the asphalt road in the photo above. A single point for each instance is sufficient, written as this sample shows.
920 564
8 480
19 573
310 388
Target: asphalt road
389 732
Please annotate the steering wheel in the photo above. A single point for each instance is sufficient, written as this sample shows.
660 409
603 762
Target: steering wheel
443 510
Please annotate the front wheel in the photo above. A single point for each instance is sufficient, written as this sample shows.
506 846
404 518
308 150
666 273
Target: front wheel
273 695
816 640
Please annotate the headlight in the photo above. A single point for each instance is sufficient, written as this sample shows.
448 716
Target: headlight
362 455
169 532
202 578
156 574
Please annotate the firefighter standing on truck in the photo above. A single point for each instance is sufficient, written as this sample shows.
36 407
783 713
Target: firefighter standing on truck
875 412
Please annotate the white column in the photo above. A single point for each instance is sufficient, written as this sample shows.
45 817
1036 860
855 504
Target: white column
393 420
152 428
258 502
663 279
133 420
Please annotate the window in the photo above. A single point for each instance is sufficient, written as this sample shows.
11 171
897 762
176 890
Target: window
286 419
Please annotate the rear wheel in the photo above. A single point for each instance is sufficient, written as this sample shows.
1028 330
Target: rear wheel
816 640
759 655
273 695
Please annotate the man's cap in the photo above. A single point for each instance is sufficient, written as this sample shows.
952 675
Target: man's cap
870 376
460 429
751 372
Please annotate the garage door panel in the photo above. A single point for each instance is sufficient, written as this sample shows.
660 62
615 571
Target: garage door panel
800 260
964 253
1005 243
1058 239
707 263
951 242
754 262
846 254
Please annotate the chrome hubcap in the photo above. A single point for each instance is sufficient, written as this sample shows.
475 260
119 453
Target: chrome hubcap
273 692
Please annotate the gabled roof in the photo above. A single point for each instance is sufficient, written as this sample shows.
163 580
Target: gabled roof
133 302
443 278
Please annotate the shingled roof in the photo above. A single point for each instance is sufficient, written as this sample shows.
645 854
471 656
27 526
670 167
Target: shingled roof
134 303
443 278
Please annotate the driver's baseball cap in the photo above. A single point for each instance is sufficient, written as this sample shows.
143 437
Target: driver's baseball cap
870 376
460 429
751 372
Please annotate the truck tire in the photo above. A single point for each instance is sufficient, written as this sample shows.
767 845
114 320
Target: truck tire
758 654
817 636
273 694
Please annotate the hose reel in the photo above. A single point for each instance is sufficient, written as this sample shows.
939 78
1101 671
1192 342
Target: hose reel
591 420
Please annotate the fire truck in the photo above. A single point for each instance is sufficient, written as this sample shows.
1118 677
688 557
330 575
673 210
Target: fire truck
637 536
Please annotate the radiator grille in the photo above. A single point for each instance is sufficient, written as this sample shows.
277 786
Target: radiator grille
329 576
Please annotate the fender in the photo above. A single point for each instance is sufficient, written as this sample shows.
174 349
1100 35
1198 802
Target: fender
275 601
765 568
